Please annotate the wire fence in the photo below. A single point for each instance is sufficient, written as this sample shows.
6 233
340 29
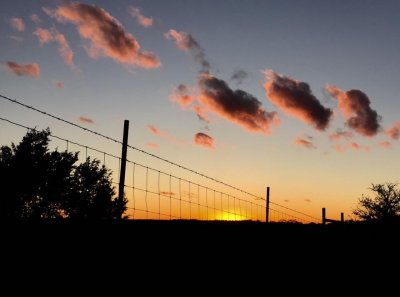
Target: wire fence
160 195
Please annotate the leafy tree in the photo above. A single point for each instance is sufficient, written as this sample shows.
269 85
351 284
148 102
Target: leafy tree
385 205
39 184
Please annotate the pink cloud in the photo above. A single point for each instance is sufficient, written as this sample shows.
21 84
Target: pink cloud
339 148
236 106
296 98
59 84
394 132
355 146
385 144
152 145
305 141
64 49
141 19
105 34
355 106
44 35
32 69
155 131
183 95
85 120
204 140
18 24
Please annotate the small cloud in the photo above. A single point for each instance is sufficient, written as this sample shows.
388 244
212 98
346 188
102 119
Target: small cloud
105 34
307 200
141 19
340 134
86 120
35 18
31 70
153 129
183 95
385 144
186 42
339 148
239 76
201 113
204 140
296 98
305 141
166 193
58 84
394 132
16 38
355 146
152 145
44 35
355 106
286 200
18 24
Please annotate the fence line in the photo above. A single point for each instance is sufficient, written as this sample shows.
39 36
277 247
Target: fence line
226 207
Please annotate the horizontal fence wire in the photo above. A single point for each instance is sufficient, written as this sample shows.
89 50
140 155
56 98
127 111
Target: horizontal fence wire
231 207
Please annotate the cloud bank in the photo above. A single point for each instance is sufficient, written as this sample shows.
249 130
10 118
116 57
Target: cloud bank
105 34
296 98
355 106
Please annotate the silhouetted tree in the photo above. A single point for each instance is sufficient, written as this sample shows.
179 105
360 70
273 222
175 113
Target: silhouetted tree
385 205
39 184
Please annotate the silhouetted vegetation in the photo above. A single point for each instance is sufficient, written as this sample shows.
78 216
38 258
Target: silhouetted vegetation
37 183
384 206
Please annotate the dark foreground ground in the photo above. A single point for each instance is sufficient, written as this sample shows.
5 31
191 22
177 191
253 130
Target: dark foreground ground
196 254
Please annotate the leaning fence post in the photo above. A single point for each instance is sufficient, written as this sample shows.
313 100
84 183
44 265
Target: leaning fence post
267 207
123 162
323 216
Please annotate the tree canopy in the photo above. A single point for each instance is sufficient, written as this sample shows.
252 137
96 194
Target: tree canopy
384 206
37 183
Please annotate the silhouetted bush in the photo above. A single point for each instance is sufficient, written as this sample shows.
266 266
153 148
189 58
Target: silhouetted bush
40 184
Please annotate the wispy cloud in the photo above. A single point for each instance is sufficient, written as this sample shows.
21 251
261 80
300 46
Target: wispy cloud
58 84
85 120
340 134
35 18
239 76
356 147
140 18
385 144
32 70
18 24
45 36
296 98
105 34
152 145
355 106
305 141
204 140
394 132
186 42
237 106
164 134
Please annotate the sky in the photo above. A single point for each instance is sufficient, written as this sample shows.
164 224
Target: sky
300 96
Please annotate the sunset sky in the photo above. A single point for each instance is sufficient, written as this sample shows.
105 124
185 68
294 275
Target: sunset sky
301 96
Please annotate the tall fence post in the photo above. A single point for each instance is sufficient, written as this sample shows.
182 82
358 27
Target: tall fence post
123 162
267 207
323 216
